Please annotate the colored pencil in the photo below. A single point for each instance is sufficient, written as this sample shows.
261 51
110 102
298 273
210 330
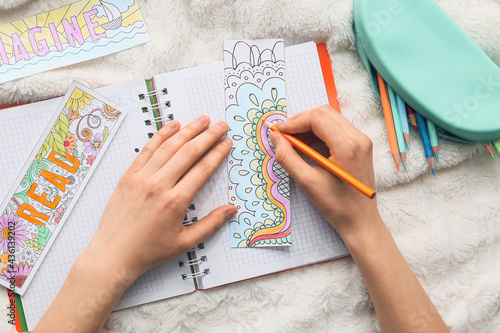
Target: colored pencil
404 119
496 145
424 135
489 150
434 139
397 125
389 122
411 115
326 163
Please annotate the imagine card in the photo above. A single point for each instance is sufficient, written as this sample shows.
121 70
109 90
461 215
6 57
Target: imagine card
78 32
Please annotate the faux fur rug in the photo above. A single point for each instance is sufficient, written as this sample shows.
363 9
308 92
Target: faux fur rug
447 226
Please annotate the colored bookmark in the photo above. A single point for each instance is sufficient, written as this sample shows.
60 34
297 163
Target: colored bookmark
389 122
496 146
397 125
412 117
404 120
254 80
489 150
434 139
55 175
425 141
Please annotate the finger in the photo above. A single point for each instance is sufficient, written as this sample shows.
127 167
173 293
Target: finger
152 145
208 225
196 178
320 123
191 151
288 158
323 118
169 147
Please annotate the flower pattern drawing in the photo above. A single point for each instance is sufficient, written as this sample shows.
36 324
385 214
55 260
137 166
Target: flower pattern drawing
4 262
19 272
93 146
12 227
59 214
258 185
79 133
70 143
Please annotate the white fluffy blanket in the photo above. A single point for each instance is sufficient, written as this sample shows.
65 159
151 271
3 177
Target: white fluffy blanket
447 227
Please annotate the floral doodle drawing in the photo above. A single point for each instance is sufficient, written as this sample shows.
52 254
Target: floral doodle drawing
258 186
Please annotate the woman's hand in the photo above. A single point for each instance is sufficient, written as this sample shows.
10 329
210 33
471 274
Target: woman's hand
338 202
143 219
142 224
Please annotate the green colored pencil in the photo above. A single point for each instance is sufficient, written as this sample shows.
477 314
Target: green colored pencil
496 145
397 125
434 139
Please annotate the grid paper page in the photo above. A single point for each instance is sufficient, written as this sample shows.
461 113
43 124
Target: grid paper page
195 92
160 282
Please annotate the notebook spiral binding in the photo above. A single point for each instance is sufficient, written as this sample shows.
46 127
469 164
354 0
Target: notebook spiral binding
193 261
155 108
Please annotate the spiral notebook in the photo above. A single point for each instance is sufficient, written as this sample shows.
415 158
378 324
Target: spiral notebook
180 95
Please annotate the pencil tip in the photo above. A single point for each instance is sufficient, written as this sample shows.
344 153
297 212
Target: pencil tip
492 156
404 164
437 158
433 171
268 124
397 166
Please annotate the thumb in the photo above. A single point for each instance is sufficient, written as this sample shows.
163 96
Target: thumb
288 158
208 225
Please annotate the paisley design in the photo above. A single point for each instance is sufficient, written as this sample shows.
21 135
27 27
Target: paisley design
255 94
256 179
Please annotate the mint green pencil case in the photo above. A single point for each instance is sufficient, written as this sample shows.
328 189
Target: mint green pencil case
432 64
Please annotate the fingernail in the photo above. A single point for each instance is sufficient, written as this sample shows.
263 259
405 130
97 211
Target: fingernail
230 213
173 124
279 124
202 120
220 124
227 142
274 138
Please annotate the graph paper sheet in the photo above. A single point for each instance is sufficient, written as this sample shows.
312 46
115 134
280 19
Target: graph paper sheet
197 91
25 124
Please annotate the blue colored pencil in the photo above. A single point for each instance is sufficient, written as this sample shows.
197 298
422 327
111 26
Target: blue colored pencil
397 125
424 135
404 121
434 139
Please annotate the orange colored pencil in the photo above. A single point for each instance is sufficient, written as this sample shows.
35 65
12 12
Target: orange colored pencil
326 163
391 131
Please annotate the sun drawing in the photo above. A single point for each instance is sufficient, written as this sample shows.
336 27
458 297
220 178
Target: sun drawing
70 25
78 99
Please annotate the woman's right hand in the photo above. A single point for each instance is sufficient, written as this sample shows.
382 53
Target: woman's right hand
343 206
